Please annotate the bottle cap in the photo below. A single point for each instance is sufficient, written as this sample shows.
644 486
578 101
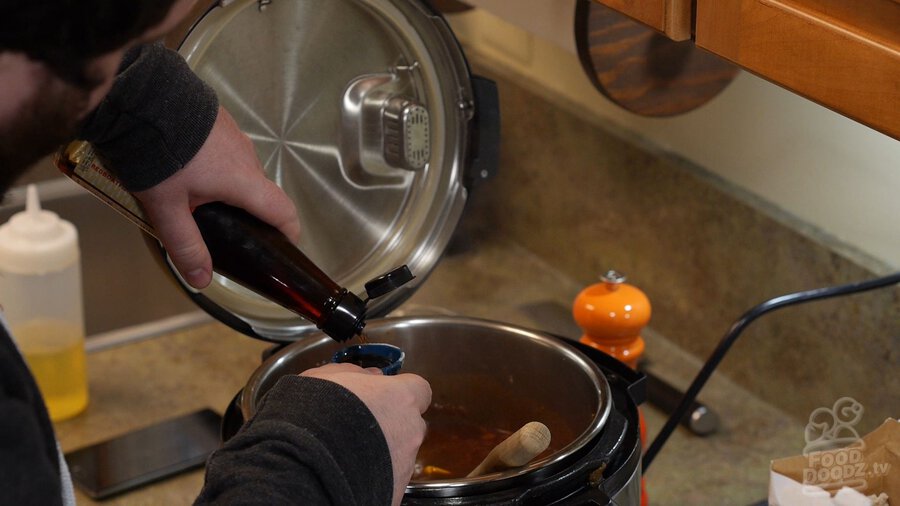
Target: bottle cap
37 241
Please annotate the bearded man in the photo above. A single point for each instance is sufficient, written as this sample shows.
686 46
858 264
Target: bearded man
91 69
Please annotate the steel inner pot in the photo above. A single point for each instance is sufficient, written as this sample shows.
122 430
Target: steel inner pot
499 375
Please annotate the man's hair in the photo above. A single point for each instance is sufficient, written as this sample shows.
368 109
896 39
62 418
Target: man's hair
66 34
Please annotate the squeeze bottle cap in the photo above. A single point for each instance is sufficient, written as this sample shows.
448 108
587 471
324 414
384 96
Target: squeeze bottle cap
36 241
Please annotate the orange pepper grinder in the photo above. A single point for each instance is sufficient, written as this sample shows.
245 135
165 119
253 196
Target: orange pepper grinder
612 314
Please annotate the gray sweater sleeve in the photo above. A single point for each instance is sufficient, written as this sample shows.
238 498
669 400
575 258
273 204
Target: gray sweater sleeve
155 118
312 442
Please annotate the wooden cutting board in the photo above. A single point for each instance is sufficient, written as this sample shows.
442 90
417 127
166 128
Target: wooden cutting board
642 70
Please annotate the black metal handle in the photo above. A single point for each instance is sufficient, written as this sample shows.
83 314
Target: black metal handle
699 419
735 331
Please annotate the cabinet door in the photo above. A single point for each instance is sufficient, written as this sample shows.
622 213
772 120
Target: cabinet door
842 54
671 17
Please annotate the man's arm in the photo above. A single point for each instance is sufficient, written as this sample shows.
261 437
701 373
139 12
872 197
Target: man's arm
155 118
166 138
28 475
29 460
312 442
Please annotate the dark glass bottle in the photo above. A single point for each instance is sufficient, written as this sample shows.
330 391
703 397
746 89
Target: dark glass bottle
260 258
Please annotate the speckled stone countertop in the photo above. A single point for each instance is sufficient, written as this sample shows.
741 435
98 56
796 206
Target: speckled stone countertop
137 384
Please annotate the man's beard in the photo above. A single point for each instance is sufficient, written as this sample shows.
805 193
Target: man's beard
43 124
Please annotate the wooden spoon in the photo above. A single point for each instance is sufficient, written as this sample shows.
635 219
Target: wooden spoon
516 450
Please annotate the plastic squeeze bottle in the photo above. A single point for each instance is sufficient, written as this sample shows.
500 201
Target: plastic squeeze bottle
40 291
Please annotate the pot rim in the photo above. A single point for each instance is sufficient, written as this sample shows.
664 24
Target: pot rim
462 486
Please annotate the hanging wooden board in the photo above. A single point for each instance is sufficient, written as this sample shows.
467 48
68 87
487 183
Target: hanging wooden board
642 70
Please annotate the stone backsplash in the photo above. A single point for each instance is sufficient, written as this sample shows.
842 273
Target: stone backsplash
587 198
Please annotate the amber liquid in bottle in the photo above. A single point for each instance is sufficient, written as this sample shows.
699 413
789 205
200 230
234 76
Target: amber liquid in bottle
259 257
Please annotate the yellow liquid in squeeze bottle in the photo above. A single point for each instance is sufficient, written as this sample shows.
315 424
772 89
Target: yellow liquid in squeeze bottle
40 291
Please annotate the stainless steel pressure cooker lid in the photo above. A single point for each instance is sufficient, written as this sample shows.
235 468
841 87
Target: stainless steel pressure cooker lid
362 111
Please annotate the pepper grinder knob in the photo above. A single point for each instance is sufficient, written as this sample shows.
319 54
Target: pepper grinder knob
612 314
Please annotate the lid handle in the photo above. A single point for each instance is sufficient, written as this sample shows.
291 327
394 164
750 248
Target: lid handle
485 154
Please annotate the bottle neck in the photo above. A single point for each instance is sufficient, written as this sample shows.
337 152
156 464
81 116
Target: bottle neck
346 318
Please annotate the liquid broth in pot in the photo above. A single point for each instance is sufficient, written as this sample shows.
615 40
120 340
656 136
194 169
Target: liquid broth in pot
499 379
461 434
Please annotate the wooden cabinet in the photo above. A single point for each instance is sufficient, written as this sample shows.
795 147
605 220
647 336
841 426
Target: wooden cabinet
843 54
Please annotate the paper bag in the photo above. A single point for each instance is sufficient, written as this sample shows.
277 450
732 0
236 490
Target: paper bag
870 465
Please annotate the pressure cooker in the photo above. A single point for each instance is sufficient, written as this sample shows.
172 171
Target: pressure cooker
501 375
366 113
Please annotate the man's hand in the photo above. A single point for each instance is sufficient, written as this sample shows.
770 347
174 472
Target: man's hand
225 169
397 402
